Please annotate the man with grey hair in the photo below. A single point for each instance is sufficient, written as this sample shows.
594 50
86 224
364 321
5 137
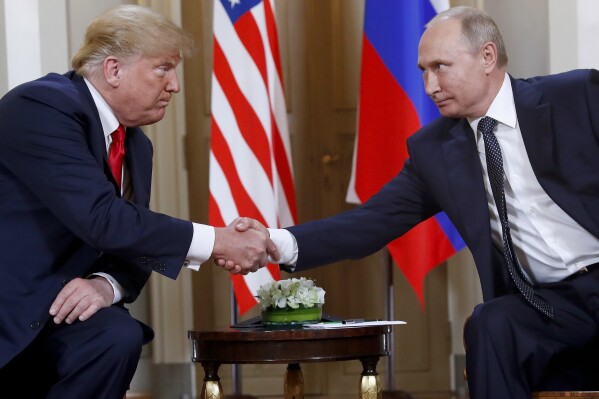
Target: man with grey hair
515 166
78 239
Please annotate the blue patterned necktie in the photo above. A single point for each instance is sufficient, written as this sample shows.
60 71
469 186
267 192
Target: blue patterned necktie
495 172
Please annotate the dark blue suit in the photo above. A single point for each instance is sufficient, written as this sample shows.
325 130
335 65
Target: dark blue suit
559 120
61 215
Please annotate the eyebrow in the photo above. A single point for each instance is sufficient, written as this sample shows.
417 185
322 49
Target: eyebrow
434 62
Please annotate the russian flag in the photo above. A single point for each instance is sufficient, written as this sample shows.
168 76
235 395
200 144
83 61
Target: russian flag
393 105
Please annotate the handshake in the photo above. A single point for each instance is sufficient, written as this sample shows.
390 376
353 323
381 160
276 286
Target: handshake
244 246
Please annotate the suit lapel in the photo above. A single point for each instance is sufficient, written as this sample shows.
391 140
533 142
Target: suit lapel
534 118
136 161
465 178
538 135
139 164
95 133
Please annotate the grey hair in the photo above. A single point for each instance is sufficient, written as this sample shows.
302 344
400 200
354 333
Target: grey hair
478 28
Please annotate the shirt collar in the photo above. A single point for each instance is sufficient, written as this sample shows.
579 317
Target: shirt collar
107 118
503 108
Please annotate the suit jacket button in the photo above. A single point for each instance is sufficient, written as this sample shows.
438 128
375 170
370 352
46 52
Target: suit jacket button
35 325
65 282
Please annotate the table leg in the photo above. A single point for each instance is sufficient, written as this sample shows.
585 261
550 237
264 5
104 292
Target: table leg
294 382
370 382
212 388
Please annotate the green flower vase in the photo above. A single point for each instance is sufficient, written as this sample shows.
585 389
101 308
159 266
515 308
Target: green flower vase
289 316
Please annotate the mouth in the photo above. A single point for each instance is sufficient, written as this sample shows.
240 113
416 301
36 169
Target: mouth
441 102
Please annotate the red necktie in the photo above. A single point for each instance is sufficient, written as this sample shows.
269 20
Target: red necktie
117 153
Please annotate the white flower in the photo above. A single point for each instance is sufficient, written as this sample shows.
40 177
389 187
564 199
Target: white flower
292 293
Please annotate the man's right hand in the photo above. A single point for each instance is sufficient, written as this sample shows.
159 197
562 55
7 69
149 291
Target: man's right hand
244 246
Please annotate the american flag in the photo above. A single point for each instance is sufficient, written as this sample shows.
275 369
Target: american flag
393 105
250 158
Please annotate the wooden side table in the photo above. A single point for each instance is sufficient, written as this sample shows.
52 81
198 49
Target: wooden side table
291 347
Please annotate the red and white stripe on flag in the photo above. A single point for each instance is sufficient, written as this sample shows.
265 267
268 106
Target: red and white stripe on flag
250 156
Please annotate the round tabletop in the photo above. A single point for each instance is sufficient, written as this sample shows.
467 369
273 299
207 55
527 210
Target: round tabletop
239 346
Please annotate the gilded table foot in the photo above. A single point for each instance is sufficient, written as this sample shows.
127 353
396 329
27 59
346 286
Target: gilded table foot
370 382
294 382
212 388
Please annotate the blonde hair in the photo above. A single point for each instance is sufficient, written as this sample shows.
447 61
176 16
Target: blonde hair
125 31
478 28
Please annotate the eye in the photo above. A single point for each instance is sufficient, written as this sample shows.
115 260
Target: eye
162 69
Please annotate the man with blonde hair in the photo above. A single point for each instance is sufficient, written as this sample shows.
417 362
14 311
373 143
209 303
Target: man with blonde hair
78 239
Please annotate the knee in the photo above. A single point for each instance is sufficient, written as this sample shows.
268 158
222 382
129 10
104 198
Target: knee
487 315
127 335
488 320
122 334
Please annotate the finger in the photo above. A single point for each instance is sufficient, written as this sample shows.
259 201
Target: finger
263 261
222 264
272 251
69 305
256 225
65 301
229 265
236 269
62 296
243 224
219 262
82 305
90 311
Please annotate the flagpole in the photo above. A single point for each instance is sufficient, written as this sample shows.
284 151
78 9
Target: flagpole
390 315
235 368
391 392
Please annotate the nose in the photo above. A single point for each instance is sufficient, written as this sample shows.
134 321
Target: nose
431 83
173 83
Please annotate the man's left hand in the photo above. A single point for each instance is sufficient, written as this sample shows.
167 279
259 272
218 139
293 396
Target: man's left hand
80 299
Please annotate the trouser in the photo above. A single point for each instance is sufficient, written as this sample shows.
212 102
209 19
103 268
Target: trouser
93 359
512 349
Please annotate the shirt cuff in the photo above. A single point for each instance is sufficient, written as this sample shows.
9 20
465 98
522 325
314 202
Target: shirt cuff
202 245
287 246
118 289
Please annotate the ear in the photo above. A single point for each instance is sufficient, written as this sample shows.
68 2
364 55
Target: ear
112 68
489 60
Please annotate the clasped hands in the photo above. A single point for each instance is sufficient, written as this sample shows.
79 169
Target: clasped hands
243 246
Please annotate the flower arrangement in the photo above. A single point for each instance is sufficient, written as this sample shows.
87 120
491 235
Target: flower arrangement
291 293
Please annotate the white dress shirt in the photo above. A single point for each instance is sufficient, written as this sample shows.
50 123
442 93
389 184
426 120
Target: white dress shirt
549 244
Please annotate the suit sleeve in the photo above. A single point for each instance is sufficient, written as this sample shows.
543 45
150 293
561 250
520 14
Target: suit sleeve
131 276
46 145
593 100
396 208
